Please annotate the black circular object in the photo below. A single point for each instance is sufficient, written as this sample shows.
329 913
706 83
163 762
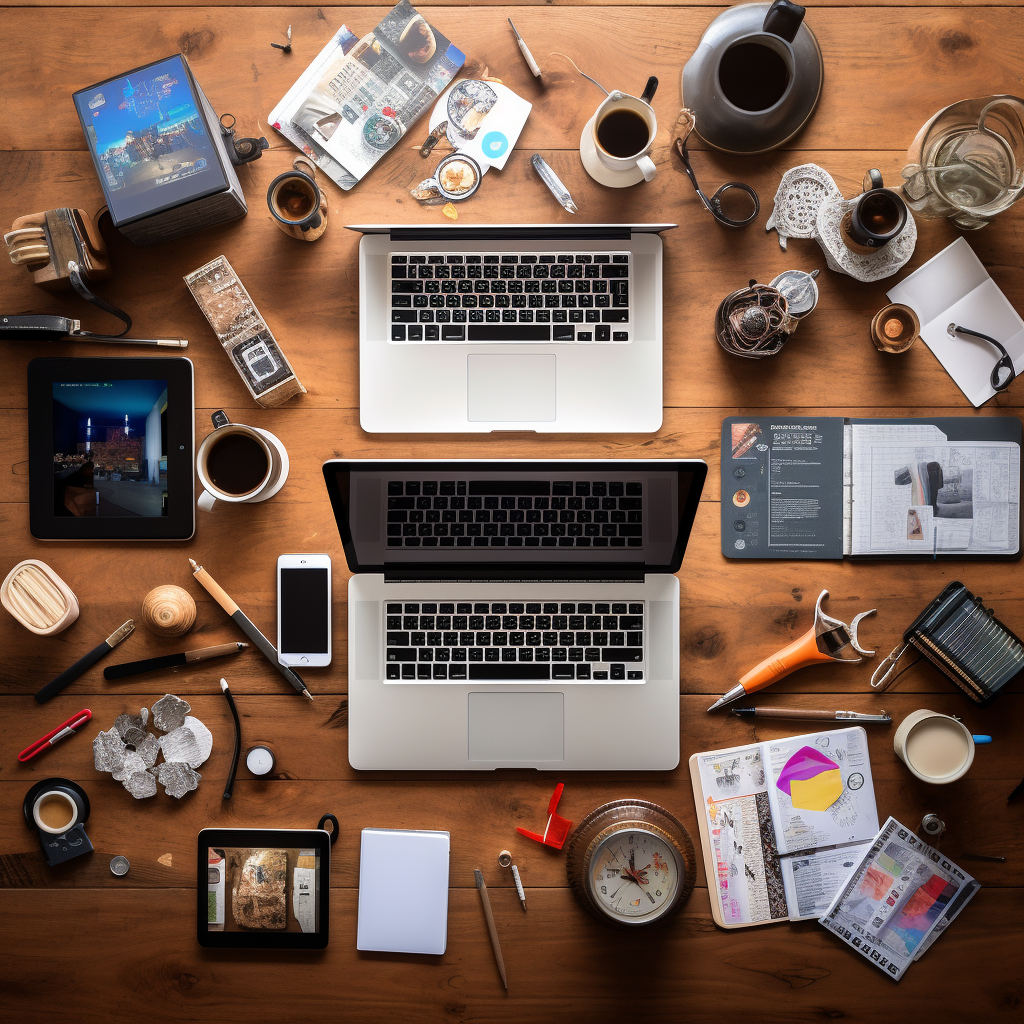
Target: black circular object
334 830
73 790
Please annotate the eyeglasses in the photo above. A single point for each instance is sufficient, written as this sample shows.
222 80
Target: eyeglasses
1003 372
735 205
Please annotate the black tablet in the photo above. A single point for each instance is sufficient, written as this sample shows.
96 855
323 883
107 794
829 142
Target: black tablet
150 140
110 445
263 888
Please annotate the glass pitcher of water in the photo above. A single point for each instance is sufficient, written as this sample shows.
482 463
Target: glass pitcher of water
967 162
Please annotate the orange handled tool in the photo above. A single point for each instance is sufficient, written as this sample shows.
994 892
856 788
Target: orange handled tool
827 640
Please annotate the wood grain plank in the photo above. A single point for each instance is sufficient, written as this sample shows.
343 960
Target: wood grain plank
309 293
560 964
943 55
481 813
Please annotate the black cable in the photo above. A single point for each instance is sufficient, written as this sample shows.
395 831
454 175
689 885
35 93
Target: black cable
238 740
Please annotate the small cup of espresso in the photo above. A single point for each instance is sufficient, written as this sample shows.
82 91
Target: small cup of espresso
238 463
297 202
880 214
55 812
624 131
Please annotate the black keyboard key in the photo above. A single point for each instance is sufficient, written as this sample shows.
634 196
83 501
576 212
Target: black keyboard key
398 332
622 654
630 621
620 258
453 332
393 672
582 671
614 270
620 336
509 332
563 671
563 332
403 316
432 332
618 671
614 316
509 670
401 654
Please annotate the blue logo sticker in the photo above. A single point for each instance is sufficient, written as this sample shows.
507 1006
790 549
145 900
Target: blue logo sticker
494 145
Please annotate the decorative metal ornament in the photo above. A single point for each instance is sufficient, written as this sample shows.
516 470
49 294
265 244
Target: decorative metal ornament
754 322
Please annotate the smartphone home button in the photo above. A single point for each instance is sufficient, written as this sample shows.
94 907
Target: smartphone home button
305 661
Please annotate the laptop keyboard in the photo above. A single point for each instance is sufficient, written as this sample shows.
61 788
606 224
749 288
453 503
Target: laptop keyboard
580 297
502 641
515 514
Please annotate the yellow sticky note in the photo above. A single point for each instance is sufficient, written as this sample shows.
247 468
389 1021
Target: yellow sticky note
819 793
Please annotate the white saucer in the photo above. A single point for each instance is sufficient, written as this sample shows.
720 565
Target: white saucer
597 170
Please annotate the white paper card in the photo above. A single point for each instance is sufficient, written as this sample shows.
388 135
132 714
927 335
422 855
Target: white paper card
403 891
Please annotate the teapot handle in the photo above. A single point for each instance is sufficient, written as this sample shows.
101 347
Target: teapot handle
649 89
783 19
872 180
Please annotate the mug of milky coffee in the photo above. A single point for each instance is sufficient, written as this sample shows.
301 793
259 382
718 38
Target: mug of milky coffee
237 463
297 202
935 747
55 812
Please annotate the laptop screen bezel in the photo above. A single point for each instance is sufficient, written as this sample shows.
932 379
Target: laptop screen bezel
334 469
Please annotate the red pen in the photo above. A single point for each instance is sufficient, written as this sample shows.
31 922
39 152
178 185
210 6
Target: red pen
64 729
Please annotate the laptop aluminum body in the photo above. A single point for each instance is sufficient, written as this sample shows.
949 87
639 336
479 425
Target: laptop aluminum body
493 386
410 715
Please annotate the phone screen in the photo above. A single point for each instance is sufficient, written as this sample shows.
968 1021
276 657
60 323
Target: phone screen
304 602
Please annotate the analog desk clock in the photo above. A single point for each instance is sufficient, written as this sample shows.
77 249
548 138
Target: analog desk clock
631 863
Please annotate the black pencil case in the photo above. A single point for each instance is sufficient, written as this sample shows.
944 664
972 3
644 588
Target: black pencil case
964 641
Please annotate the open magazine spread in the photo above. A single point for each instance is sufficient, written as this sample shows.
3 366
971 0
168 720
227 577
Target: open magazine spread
786 822
360 96
898 900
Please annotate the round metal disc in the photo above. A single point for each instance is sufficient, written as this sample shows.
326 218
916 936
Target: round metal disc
119 866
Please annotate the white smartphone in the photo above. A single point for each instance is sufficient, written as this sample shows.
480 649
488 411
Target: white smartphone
304 610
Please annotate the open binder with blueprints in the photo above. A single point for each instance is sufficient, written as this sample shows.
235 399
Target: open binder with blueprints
796 486
782 824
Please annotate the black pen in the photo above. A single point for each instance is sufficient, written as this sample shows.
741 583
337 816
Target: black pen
836 716
69 675
134 668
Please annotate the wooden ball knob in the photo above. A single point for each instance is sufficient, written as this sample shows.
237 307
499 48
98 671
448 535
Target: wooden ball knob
169 610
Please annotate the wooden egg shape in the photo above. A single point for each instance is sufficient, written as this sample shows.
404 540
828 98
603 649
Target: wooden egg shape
169 611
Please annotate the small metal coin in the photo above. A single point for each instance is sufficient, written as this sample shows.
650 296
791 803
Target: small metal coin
119 866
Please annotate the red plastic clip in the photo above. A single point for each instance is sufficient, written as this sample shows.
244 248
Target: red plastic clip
62 731
557 830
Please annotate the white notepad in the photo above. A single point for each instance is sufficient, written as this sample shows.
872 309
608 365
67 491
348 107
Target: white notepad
403 891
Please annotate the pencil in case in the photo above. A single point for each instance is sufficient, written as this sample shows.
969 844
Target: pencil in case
964 641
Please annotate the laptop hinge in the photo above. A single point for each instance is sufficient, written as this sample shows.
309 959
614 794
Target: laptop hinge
469 234
468 575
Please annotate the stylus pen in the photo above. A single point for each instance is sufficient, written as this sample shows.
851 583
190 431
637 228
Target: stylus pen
134 668
838 716
229 788
69 675
485 900
220 595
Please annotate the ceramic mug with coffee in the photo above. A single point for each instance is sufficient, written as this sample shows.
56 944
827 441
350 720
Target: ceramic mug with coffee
935 747
624 131
54 811
297 202
239 464
878 216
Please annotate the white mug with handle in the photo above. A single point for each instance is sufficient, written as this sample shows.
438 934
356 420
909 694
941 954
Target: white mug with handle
610 140
239 464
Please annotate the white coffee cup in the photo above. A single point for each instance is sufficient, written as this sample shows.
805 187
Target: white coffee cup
936 748
257 488
55 799
623 101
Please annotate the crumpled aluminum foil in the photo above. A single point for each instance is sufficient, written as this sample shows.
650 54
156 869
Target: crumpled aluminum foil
141 784
177 778
169 712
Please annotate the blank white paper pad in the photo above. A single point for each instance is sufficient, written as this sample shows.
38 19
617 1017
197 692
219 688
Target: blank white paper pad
403 891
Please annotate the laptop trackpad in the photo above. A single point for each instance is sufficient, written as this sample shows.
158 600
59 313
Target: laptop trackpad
511 387
509 727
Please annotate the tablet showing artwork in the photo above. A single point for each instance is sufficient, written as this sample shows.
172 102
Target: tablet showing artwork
263 888
110 446
149 140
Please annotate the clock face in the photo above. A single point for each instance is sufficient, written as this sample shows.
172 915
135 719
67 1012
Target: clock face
634 875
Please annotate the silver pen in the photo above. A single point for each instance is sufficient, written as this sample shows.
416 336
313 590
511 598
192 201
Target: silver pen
548 176
525 50
838 716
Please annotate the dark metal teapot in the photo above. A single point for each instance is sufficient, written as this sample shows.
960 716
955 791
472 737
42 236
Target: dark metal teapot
755 78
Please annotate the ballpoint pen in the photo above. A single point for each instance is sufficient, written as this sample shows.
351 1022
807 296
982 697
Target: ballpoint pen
69 675
548 176
495 945
839 716
62 731
134 668
269 651
505 860
525 51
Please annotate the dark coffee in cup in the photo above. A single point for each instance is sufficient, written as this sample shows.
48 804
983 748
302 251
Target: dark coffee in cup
295 199
879 216
237 464
753 76
623 132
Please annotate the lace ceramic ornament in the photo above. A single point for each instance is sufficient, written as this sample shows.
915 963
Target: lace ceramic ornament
875 266
801 192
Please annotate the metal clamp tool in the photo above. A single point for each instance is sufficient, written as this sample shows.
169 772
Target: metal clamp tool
828 639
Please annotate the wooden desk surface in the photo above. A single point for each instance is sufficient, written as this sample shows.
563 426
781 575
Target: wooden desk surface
82 944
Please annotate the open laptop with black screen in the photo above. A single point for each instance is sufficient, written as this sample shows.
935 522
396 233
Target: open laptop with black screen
513 614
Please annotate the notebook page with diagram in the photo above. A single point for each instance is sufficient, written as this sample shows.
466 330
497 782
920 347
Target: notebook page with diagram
782 823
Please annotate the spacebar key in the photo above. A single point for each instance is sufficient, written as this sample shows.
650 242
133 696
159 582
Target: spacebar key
509 332
508 670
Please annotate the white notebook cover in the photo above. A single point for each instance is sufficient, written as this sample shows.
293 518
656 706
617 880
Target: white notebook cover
403 891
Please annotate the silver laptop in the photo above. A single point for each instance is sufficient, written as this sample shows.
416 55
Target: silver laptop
512 614
538 327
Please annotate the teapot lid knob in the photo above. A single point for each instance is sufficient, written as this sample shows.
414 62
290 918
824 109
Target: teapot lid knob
783 19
